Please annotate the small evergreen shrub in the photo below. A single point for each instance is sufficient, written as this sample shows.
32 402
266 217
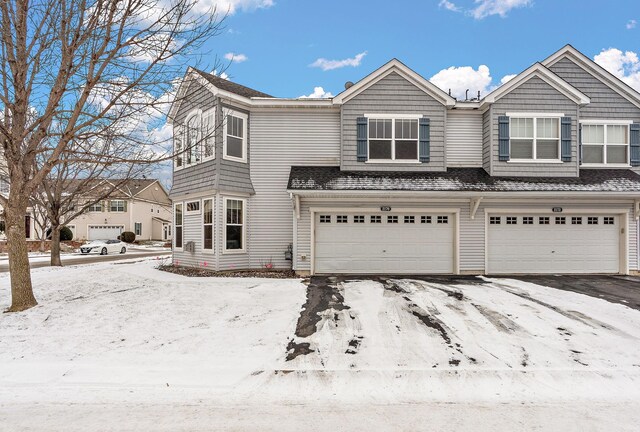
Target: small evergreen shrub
128 237
66 234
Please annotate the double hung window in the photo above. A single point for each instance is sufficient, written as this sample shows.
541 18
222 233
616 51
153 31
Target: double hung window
535 138
393 139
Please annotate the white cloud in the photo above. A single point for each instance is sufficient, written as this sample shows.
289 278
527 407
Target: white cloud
487 8
326 65
459 79
233 6
631 24
222 75
236 58
625 66
446 4
318 92
507 78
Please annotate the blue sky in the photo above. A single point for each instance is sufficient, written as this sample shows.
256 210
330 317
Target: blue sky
276 42
280 46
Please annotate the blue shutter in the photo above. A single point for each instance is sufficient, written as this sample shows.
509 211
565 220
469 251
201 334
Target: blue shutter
635 144
424 151
503 138
565 138
362 150
580 144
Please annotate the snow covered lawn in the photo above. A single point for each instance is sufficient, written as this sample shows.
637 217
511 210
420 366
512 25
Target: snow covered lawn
123 346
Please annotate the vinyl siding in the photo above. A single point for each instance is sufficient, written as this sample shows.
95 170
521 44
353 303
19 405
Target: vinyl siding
605 102
464 139
472 231
200 177
192 231
234 176
393 95
487 143
281 139
534 95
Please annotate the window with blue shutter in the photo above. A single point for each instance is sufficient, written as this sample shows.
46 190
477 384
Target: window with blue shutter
424 150
635 144
565 139
503 138
362 150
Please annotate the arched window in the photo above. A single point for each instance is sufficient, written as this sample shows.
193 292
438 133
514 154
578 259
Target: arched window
193 146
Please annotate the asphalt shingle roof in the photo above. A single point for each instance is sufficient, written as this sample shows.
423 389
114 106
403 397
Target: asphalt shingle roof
230 86
330 178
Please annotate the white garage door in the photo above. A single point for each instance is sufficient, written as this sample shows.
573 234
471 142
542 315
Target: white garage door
402 243
104 232
553 244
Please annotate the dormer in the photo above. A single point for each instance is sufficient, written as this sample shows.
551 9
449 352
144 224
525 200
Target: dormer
393 120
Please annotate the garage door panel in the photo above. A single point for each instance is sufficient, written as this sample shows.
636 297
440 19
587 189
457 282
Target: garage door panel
104 232
582 244
407 246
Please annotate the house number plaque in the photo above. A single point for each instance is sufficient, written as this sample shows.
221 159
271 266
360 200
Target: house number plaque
385 208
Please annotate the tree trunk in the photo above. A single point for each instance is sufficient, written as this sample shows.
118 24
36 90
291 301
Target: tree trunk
21 289
55 246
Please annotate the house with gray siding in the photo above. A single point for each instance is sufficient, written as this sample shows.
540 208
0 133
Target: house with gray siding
395 176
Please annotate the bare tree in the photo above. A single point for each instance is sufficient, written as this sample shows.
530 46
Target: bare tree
70 189
71 70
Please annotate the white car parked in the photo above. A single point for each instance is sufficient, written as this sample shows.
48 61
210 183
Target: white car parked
103 247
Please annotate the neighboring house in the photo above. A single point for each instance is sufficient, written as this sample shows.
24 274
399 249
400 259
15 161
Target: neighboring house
393 175
141 206
29 222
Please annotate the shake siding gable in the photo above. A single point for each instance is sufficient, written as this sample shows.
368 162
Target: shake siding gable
393 94
534 96
200 177
606 103
234 175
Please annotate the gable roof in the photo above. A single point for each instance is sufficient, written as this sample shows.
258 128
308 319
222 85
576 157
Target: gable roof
330 178
597 71
230 86
401 69
216 85
540 71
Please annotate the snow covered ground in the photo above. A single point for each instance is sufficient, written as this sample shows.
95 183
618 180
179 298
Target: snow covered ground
123 346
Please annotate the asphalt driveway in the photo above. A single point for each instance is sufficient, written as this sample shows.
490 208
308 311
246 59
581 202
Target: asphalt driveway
613 288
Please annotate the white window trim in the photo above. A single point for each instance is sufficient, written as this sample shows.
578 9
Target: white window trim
226 251
606 123
89 209
212 112
134 228
213 227
535 117
393 118
228 112
534 114
183 135
175 226
193 113
180 133
124 205
192 212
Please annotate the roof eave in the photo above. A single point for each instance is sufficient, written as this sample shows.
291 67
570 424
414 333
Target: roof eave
469 194
595 70
397 66
540 71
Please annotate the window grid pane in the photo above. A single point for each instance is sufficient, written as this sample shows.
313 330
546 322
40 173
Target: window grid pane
425 219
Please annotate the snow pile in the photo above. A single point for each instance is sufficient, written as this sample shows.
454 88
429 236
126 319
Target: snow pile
167 352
